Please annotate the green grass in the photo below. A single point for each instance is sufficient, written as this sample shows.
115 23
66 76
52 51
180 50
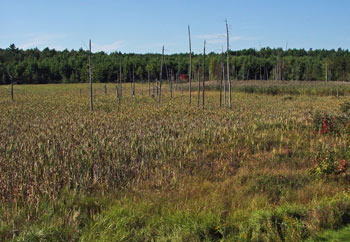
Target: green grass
340 235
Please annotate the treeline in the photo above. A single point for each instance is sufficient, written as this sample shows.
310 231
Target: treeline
51 66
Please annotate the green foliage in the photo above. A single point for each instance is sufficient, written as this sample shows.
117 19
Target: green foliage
326 164
324 122
51 66
145 222
283 224
345 108
340 235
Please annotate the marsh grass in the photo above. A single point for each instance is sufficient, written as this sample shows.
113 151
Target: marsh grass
138 171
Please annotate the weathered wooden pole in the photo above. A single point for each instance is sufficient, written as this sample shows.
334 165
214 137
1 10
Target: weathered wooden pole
228 65
90 78
190 67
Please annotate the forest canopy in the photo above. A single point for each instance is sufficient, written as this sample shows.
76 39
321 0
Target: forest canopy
34 66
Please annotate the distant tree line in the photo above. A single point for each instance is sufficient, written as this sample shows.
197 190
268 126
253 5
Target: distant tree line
50 66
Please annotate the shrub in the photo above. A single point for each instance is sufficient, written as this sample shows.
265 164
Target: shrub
327 162
345 108
324 123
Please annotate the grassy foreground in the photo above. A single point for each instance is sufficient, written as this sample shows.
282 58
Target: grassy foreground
272 168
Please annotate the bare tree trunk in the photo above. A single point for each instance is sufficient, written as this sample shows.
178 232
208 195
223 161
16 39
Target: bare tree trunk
222 76
133 82
228 66
171 87
223 73
182 91
90 78
175 83
120 81
260 70
199 86
105 89
12 82
190 67
203 76
169 81
161 75
117 91
12 98
326 71
149 84
278 68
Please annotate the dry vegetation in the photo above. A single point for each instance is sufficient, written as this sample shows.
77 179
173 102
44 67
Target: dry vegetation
269 169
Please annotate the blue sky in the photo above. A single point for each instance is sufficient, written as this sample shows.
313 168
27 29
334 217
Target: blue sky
143 26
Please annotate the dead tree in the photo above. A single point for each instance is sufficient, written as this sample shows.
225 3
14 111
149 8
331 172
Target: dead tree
260 70
12 83
228 66
12 98
326 67
161 76
199 85
120 81
203 76
90 78
190 67
149 84
133 82
222 76
182 88
169 81
170 77
142 83
176 82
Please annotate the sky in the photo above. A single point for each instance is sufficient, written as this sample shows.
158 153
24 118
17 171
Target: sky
144 26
